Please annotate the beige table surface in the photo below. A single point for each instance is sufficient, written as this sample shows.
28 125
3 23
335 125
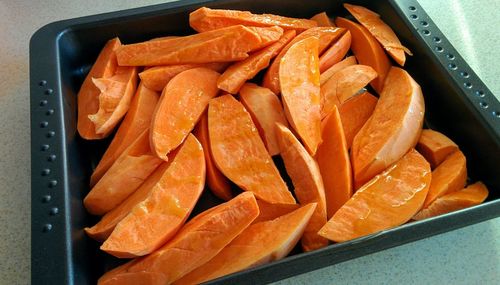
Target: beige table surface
467 256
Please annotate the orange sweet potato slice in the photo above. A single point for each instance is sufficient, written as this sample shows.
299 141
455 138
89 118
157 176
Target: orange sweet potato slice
299 79
106 225
197 242
240 154
114 99
471 195
206 19
326 36
306 179
156 78
435 147
325 75
334 164
164 211
217 182
88 96
258 244
393 128
322 20
137 120
128 172
237 74
336 52
354 113
367 51
269 211
381 31
266 110
182 102
384 202
448 177
343 85
222 45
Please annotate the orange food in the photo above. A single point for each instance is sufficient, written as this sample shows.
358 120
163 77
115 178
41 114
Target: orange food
388 200
322 20
240 154
114 99
393 128
336 52
334 164
266 110
137 120
269 211
157 218
326 36
381 31
354 113
450 176
182 102
217 182
156 78
306 179
128 172
299 79
197 242
206 19
471 195
367 51
343 85
106 225
88 96
260 243
325 75
237 74
222 45
435 147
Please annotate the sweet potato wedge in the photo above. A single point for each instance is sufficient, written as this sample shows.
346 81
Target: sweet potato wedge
388 200
164 211
367 51
471 195
88 96
334 164
343 85
206 19
325 75
306 178
197 242
222 45
108 222
269 211
336 52
322 20
266 110
182 102
299 79
393 128
354 113
217 182
381 31
240 154
435 147
258 244
136 120
156 78
126 174
326 36
238 73
450 176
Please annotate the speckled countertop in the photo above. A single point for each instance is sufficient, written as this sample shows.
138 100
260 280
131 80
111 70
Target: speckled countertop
467 256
